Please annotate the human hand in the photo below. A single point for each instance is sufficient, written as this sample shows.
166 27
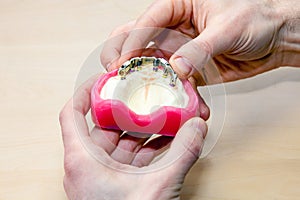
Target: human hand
244 38
102 164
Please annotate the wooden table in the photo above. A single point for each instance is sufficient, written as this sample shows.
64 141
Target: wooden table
42 47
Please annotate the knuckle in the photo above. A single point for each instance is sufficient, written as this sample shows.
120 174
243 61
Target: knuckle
206 47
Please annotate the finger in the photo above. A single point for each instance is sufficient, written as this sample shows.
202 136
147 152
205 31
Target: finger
106 139
151 150
127 148
72 117
204 109
185 148
169 41
112 47
194 55
161 14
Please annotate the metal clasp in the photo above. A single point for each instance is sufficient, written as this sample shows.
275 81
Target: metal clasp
136 63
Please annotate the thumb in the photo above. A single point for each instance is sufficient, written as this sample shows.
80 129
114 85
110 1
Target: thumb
192 57
186 147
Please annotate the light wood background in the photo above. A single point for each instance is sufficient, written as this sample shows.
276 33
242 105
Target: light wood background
42 46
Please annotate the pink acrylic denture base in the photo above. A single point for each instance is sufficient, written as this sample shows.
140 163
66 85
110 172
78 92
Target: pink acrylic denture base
114 114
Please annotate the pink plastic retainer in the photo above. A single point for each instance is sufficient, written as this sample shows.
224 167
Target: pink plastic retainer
114 114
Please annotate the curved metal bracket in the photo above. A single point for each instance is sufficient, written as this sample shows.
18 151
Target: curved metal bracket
136 63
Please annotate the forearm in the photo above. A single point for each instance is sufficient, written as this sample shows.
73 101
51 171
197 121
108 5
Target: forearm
290 46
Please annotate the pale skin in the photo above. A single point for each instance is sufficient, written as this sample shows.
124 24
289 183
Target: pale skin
244 38
130 174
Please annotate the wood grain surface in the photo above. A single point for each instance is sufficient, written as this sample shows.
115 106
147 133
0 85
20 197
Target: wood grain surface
42 47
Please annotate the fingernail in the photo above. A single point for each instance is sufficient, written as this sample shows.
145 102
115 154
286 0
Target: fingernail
201 126
183 66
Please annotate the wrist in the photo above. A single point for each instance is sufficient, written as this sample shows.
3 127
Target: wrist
290 44
156 191
289 11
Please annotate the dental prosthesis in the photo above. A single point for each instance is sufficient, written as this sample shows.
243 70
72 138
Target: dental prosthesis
144 95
